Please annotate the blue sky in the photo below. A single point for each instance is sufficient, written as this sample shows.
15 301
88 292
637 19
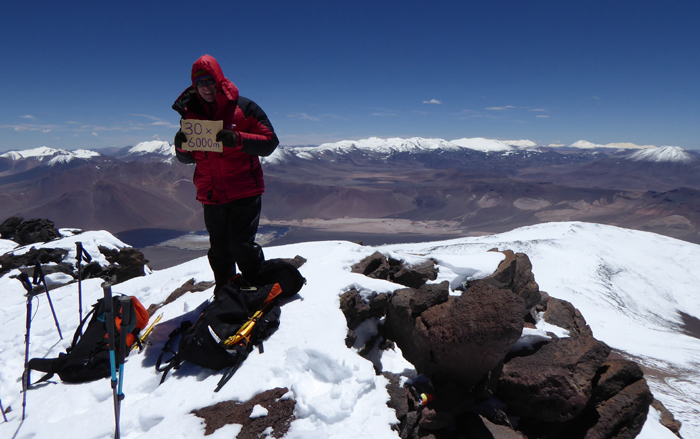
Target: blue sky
93 74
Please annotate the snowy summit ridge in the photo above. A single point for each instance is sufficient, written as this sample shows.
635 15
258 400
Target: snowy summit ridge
397 145
632 303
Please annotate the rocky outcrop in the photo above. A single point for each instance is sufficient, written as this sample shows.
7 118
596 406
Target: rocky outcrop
378 266
555 383
514 273
28 232
452 338
124 264
480 385
563 314
8 261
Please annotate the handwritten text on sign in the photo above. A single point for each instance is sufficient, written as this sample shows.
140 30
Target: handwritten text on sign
201 135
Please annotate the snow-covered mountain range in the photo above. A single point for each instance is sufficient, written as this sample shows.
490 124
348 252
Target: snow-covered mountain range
375 145
470 185
638 292
50 156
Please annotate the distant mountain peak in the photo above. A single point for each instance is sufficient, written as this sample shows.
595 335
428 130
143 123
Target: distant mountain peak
672 154
51 155
159 147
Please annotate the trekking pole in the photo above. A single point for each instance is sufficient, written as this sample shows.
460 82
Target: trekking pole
80 253
2 409
125 307
24 278
109 322
39 275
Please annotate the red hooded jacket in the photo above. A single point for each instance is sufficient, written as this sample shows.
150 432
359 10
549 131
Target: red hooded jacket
236 172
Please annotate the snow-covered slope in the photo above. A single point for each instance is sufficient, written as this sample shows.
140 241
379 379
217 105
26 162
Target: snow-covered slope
630 286
486 145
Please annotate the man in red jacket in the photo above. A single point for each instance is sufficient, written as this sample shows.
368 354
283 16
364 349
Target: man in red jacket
229 184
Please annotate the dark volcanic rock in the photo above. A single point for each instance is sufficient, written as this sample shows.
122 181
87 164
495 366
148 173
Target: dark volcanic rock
398 396
428 296
623 415
459 340
416 275
375 266
354 308
44 255
9 226
620 401
280 415
515 274
563 314
126 263
667 418
188 287
378 266
555 383
35 230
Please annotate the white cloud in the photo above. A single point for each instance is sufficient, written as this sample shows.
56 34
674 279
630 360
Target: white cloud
432 101
28 116
537 109
542 115
95 134
507 107
303 116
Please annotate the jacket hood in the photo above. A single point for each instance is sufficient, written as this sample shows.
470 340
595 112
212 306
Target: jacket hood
223 85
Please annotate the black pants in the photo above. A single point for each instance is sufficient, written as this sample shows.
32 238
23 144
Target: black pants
232 228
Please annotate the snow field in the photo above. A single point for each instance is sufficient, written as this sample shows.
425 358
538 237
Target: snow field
628 285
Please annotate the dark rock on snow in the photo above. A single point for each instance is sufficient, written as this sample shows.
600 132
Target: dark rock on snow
572 388
29 231
458 340
280 414
378 266
553 384
125 263
8 261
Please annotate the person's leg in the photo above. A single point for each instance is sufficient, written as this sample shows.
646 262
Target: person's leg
243 220
220 258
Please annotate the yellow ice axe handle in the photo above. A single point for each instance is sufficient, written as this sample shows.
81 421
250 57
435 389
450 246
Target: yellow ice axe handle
245 330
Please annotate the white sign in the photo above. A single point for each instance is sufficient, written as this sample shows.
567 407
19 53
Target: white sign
201 135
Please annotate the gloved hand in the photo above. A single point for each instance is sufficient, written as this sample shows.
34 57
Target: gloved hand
227 137
180 138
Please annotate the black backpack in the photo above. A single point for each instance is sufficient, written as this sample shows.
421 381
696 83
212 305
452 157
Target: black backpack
209 342
87 358
204 343
280 271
